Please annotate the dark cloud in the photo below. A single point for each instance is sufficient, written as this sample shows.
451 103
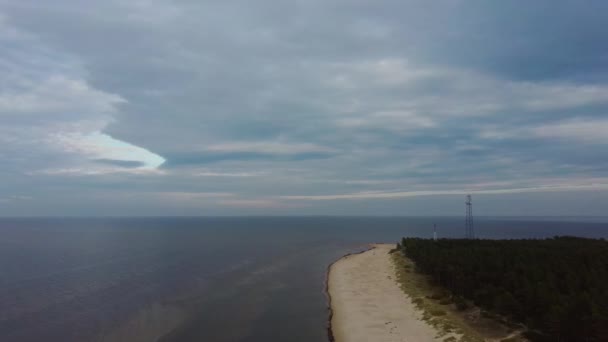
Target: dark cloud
121 163
202 159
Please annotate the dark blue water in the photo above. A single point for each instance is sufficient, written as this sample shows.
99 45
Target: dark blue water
199 279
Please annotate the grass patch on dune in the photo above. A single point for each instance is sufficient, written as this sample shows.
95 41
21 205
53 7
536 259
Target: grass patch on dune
432 302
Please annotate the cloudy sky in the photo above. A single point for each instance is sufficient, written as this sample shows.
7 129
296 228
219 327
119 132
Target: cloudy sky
345 107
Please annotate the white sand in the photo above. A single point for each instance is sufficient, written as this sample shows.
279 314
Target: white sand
368 304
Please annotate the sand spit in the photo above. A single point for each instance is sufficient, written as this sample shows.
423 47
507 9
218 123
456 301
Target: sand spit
367 303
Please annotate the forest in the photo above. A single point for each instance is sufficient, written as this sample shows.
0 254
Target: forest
556 287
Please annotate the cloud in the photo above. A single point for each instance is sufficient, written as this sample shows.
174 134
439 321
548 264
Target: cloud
58 94
96 171
121 163
400 121
48 106
14 198
97 145
270 147
220 173
256 203
393 93
402 194
182 196
587 131
155 102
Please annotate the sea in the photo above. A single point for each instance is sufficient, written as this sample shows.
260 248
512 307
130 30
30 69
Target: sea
251 279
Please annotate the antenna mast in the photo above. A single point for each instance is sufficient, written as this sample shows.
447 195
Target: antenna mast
469 228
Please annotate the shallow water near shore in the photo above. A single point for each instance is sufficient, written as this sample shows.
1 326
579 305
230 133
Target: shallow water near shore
199 279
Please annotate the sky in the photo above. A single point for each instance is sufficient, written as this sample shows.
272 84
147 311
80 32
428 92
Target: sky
303 107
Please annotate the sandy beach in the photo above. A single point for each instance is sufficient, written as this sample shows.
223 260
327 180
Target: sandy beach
367 303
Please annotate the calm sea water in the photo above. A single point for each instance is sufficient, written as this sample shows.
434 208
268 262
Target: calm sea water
199 279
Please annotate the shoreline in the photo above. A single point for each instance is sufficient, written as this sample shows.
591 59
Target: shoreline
330 334
366 303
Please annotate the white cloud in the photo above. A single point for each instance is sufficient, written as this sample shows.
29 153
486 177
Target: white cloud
394 120
220 173
587 131
259 203
403 194
94 170
582 130
97 145
383 72
190 196
558 95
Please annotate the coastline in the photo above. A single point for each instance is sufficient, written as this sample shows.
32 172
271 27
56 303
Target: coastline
367 304
330 334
